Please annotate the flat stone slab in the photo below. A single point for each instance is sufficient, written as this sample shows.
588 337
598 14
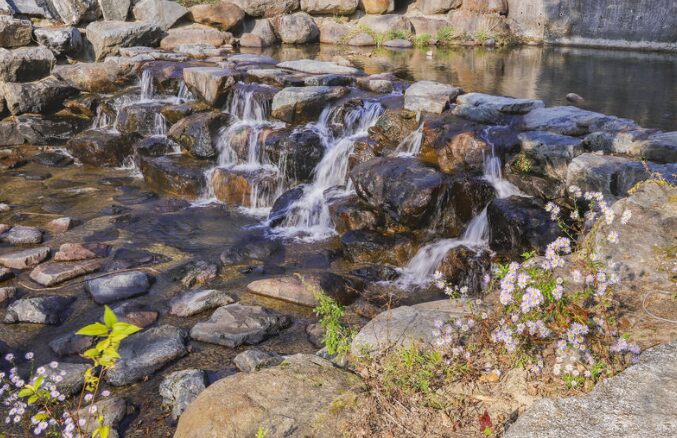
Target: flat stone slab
245 58
25 259
235 324
300 103
72 252
38 310
22 235
49 274
146 352
429 96
117 287
318 67
192 302
571 120
503 104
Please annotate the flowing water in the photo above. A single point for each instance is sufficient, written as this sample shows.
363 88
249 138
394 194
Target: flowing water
411 145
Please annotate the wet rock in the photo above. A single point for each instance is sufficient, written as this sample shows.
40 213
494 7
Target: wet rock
328 80
235 324
317 67
298 28
196 273
362 246
49 274
261 35
53 159
612 176
71 344
69 252
265 8
284 205
7 293
117 287
236 187
143 353
22 235
100 77
464 199
571 120
115 10
166 78
375 273
222 15
462 151
25 64
254 360
138 315
60 40
180 388
199 133
550 154
113 411
508 105
38 130
618 406
155 146
210 84
251 248
348 213
38 310
72 377
429 96
392 127
108 36
466 267
297 153
163 13
196 34
303 292
60 225
518 224
36 97
296 104
139 118
174 175
378 6
192 302
99 147
25 259
14 32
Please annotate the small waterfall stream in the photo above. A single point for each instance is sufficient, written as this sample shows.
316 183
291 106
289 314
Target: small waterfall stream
411 145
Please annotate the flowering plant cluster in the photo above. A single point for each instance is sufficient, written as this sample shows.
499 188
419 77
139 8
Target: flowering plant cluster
37 403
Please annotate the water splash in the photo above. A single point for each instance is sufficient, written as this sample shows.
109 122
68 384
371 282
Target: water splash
147 87
411 145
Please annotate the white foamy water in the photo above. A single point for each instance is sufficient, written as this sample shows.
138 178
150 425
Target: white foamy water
411 145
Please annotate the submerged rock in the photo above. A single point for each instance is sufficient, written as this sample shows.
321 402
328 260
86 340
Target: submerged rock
180 388
38 310
25 259
119 286
192 302
49 274
254 360
71 252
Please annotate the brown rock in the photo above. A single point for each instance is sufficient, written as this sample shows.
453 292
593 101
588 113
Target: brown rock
377 6
7 294
223 15
95 77
70 252
195 34
24 259
462 150
61 225
50 274
236 187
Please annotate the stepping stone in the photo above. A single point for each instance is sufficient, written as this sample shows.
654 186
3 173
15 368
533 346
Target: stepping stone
67 377
25 259
71 344
22 235
117 287
192 302
180 388
146 352
38 310
49 274
429 96
61 225
235 324
253 360
71 252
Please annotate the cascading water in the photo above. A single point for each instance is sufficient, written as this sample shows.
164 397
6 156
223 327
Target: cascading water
308 218
411 145
146 85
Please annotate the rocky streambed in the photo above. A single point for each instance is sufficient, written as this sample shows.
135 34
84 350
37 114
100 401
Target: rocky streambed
186 188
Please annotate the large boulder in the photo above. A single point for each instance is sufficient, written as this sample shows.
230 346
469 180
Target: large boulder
659 147
107 37
25 64
432 7
103 148
612 176
377 6
115 10
175 175
297 153
242 404
392 127
117 287
95 77
73 12
298 104
223 15
639 402
571 120
266 8
468 22
298 28
36 97
199 133
195 34
164 13
60 40
140 118
429 96
259 34
549 154
384 24
14 32
332 32
364 246
210 84
329 7
244 187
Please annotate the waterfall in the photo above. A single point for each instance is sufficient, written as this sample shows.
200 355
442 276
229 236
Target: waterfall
146 85
411 145
160 125
308 218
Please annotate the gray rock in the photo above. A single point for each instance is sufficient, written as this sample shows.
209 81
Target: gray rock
71 344
113 411
73 12
612 176
36 97
31 8
139 118
71 377
14 32
180 388
7 293
266 8
146 352
318 67
639 402
60 40
261 34
199 133
117 287
295 104
254 360
108 36
386 23
210 84
550 154
25 64
115 10
202 51
235 324
22 235
163 13
398 44
661 148
49 274
332 32
195 34
28 258
328 80
298 28
192 302
38 310
247 58
508 105
432 7
404 326
480 114
329 7
571 120
362 39
429 96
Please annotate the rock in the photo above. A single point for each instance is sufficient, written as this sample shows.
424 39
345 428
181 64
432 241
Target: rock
317 67
328 80
108 36
22 235
251 248
658 147
518 224
210 84
117 287
25 64
463 151
378 6
465 22
550 154
431 7
192 302
180 388
138 315
71 344
571 120
113 411
243 403
100 77
115 10
199 133
6 274
261 35
196 273
254 360
69 252
49 274
429 96
27 8
332 32
398 44
298 153
296 104
429 25
661 148
575 98
404 326
138 118
28 258
72 377
466 267
348 213
612 176
304 291
36 97
315 334
239 186
329 7
491 6
60 40
298 28
60 225
98 147
7 294
38 310
145 352
235 324
163 13
14 32
54 159
264 8
363 246
508 105
618 406
384 24
392 127
222 14
283 205
177 176
73 12
196 34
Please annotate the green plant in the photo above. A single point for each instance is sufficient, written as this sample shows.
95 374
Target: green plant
482 35
521 163
398 34
422 40
446 34
261 432
337 336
